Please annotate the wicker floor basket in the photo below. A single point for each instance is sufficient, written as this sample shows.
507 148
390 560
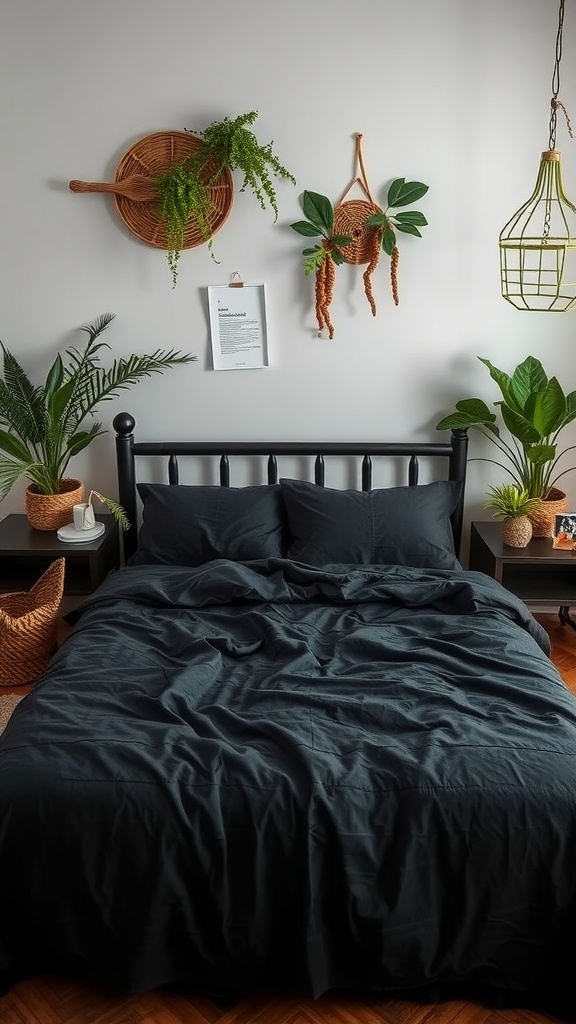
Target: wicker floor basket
152 155
543 518
51 511
28 627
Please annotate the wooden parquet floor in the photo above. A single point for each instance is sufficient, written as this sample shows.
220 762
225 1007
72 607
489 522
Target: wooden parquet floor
57 1000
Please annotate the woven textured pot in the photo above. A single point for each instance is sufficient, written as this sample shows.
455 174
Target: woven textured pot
28 627
516 531
542 518
51 511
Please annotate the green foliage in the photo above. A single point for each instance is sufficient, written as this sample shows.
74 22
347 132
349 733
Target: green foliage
42 426
510 500
229 145
114 507
534 411
320 222
400 193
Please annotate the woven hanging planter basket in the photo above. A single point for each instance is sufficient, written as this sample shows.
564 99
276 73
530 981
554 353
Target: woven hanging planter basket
542 518
51 511
350 219
152 155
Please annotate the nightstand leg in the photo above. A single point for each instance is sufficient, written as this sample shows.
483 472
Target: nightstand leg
565 617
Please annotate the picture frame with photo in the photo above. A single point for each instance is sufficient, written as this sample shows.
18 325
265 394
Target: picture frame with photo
564 536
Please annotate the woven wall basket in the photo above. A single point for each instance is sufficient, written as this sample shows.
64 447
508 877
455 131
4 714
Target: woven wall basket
543 518
152 155
51 511
28 627
350 219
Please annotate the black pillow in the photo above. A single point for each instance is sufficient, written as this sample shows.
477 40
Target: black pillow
189 525
394 525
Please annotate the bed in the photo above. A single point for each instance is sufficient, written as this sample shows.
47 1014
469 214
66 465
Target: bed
294 743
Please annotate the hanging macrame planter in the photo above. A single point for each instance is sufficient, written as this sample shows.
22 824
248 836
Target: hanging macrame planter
355 231
538 243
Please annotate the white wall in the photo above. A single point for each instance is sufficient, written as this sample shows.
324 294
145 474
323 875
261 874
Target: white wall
453 93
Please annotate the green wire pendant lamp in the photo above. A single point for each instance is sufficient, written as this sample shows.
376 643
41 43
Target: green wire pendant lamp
538 244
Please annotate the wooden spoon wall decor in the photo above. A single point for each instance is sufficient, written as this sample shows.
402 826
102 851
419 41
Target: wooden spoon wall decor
138 187
136 196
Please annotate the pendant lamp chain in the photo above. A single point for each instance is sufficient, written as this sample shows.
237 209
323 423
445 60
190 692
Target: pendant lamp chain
538 244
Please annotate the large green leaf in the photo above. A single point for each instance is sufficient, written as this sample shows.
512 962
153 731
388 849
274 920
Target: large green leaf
318 210
470 412
539 454
519 426
54 378
402 192
503 381
547 409
304 227
12 446
410 217
527 379
82 439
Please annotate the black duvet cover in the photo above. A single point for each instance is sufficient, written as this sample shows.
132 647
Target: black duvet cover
267 774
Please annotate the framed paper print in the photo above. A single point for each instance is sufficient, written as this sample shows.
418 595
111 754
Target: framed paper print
564 535
238 326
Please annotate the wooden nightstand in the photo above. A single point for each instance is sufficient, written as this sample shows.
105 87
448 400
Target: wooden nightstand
25 553
539 574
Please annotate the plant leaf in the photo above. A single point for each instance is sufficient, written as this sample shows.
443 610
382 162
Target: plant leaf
337 257
409 229
376 220
388 240
541 453
410 217
519 426
527 379
341 239
305 227
12 446
319 210
503 381
402 192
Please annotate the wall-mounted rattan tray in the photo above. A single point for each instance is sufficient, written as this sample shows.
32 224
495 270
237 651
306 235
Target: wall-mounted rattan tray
152 155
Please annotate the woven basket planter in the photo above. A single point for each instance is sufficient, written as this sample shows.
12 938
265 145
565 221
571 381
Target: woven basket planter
152 155
28 627
543 518
51 511
516 531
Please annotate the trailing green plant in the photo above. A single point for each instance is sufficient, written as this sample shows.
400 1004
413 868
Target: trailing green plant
42 426
510 500
229 145
400 193
322 258
534 411
113 506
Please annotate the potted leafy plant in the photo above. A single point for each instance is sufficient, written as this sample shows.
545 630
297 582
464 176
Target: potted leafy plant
42 427
534 410
184 189
512 504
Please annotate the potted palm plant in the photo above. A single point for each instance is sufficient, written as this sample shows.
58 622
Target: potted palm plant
534 410
42 427
512 504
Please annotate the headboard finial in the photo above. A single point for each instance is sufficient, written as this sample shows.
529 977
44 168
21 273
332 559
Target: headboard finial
124 424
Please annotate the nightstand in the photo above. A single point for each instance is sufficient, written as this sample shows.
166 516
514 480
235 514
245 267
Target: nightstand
25 554
539 574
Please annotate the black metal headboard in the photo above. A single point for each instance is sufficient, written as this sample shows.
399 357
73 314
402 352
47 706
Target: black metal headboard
127 450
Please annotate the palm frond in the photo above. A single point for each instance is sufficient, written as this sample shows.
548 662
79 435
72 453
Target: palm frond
100 324
17 390
10 473
105 384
